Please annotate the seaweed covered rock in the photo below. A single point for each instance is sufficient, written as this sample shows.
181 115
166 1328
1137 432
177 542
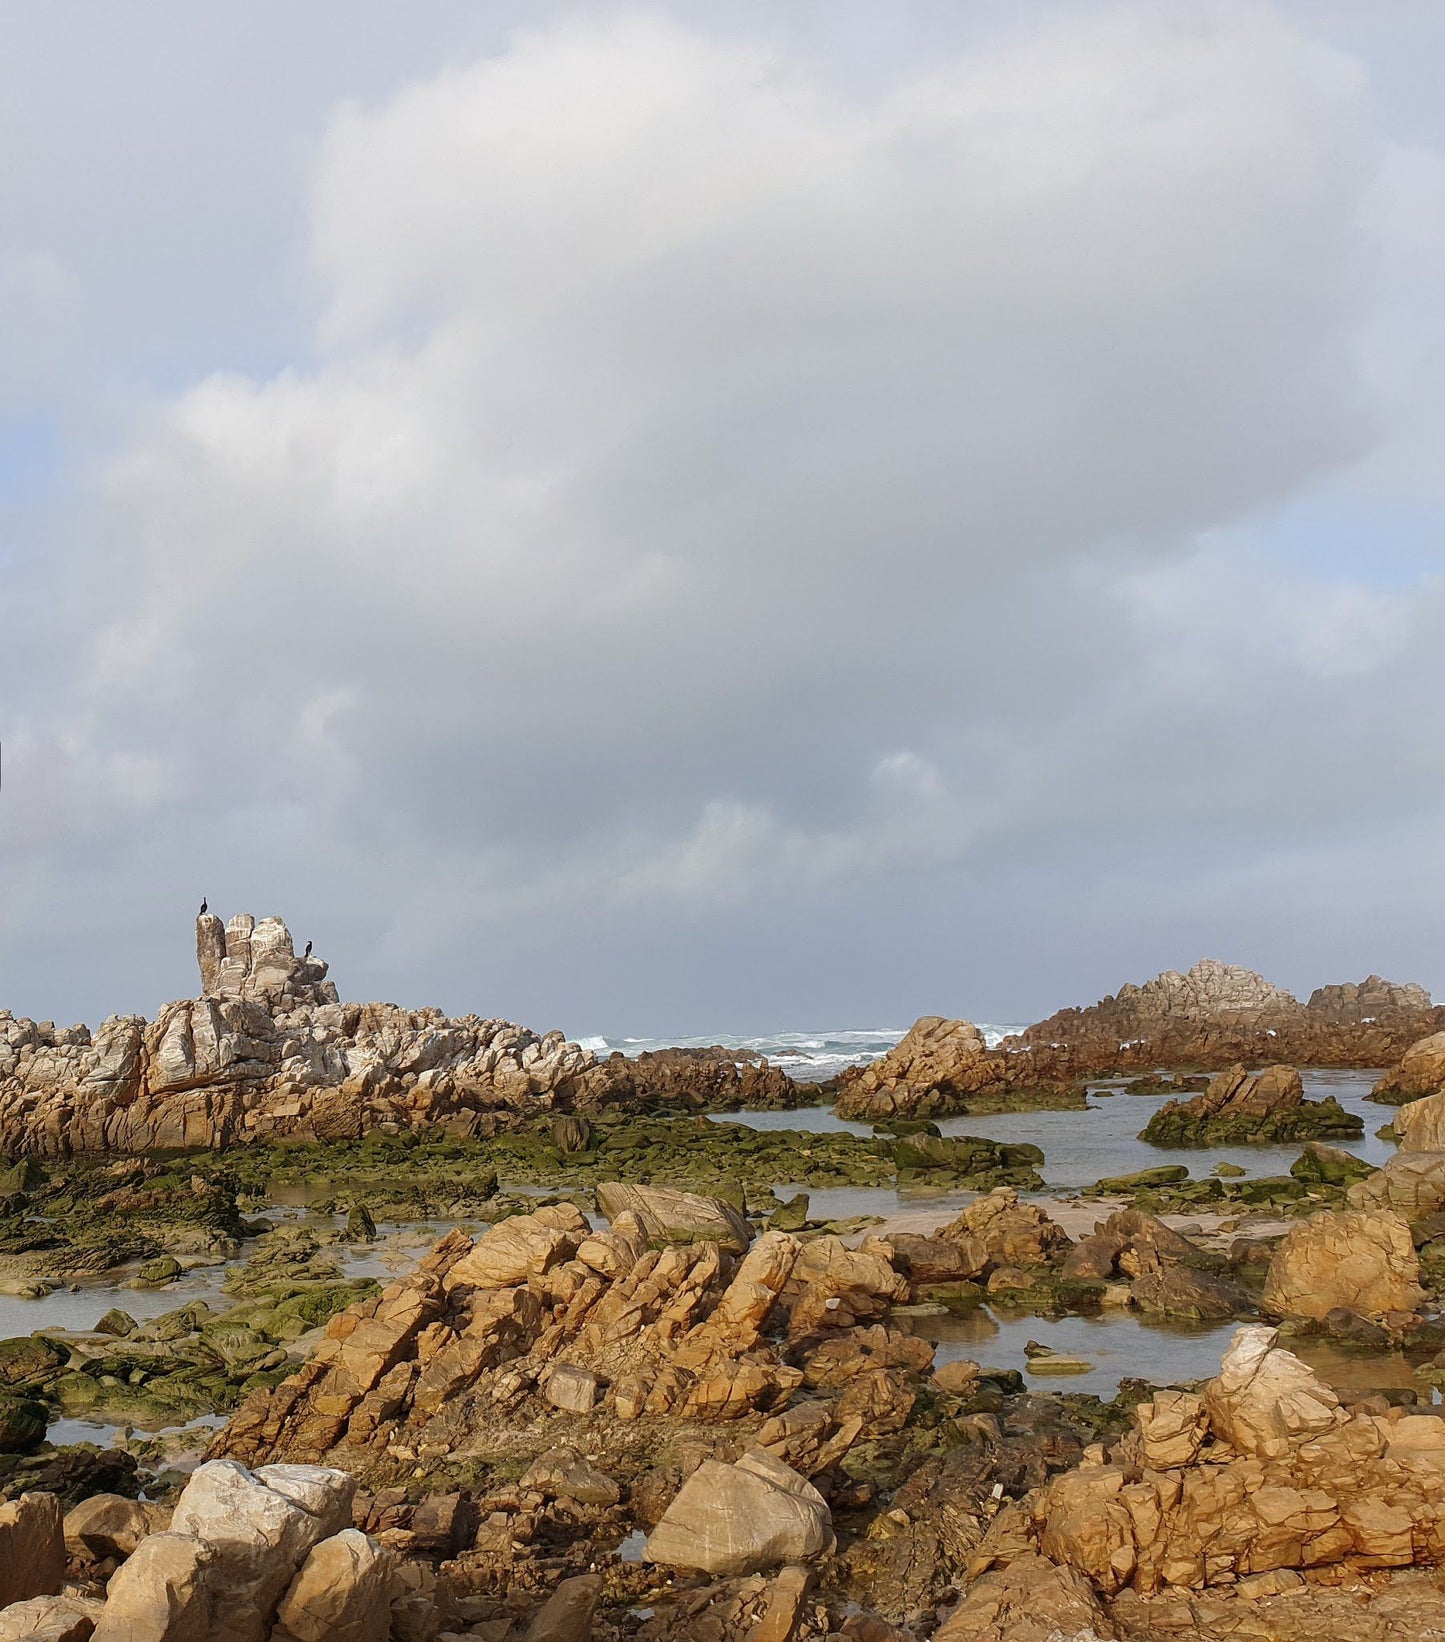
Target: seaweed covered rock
1243 1107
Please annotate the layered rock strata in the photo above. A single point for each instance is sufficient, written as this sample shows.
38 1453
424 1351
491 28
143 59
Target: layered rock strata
1242 1107
1216 1014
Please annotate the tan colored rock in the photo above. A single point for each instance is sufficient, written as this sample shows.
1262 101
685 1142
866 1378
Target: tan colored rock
672 1216
340 1594
522 1246
1031 1600
164 1592
1363 1260
562 1473
572 1389
737 1519
566 1616
1421 1124
1265 1399
1421 1071
1252 1094
1411 1184
998 1230
111 1525
69 1617
261 1528
32 1548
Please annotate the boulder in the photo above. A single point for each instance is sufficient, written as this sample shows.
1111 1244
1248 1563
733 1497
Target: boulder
998 1230
1411 1184
1031 1600
1265 1400
261 1528
32 1548
1420 1126
1421 1072
562 1473
566 1615
1363 1260
340 1594
522 1246
166 1591
111 1525
571 1389
671 1216
66 1618
742 1518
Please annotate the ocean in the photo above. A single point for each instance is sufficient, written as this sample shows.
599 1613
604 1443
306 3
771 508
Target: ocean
808 1057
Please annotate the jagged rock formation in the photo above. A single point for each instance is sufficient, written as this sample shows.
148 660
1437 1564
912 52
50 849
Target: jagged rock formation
1218 1013
1262 1472
1363 1261
944 1066
269 1052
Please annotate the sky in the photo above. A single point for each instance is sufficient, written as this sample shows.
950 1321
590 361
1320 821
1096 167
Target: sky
675 518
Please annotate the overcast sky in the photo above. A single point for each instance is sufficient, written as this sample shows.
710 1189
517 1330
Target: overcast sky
722 517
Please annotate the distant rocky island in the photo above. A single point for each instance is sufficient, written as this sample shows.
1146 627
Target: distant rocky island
1217 1013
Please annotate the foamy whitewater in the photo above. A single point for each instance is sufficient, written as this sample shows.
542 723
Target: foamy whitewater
809 1057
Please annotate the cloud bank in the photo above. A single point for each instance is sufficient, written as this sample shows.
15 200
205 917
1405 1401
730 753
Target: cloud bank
739 547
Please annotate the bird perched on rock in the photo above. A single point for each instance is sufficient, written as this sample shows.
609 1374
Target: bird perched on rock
205 907
307 952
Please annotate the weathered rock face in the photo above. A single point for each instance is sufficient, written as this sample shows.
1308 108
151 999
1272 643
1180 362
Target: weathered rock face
1361 1260
1421 1072
1412 1184
1032 1600
671 1216
1420 1125
269 1052
1264 1471
943 1066
736 1519
32 1548
1216 1014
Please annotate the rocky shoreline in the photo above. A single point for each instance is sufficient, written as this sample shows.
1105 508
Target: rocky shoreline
503 1341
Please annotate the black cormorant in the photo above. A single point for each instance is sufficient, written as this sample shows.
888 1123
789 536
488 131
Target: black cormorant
205 907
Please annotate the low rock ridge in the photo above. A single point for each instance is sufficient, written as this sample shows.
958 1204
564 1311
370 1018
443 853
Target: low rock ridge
1215 1014
268 1052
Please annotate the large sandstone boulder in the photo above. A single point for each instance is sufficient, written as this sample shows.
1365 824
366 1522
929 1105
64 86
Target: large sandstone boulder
942 1066
738 1519
261 1528
672 1216
32 1548
111 1525
1411 1184
167 1591
1362 1260
1420 1125
1421 1072
341 1594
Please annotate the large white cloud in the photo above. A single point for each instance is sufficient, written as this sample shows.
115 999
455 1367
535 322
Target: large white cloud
722 497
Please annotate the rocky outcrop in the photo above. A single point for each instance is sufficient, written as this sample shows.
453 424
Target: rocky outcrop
470 1340
944 1066
32 1548
1420 1125
1358 1260
268 1052
1242 1107
1263 1471
1421 1072
1216 1014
